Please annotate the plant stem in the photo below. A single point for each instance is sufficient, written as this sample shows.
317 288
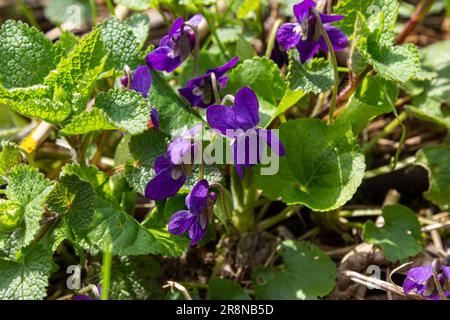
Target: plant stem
106 270
435 267
224 200
110 6
212 28
82 153
270 222
93 11
422 10
388 168
273 35
334 63
28 14
385 132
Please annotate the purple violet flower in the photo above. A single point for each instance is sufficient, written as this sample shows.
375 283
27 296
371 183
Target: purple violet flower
305 34
141 81
171 169
421 280
176 46
240 123
199 91
199 203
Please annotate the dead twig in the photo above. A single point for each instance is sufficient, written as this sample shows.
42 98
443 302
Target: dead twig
175 285
380 284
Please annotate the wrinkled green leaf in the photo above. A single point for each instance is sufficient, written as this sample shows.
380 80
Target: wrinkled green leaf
315 76
120 43
27 278
27 56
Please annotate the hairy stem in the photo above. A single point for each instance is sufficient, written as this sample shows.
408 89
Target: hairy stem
422 10
334 63
93 11
106 270
385 132
273 35
285 214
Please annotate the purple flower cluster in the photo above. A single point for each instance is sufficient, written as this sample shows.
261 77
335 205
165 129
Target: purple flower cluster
305 33
200 202
240 123
199 91
420 280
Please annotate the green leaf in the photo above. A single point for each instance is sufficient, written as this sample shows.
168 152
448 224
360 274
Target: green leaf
26 55
369 9
373 97
92 175
35 101
127 236
400 237
315 76
27 278
74 199
434 93
221 289
125 110
322 168
88 121
138 177
135 278
120 43
139 24
138 5
27 189
261 75
10 156
430 109
175 115
436 160
73 14
307 273
247 7
74 77
398 63
147 146
68 41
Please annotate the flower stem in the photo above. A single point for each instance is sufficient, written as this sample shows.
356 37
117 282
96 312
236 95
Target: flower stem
334 63
273 35
106 270
93 11
435 267
385 132
197 46
422 10
82 153
224 199
215 89
110 6
212 27
270 222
